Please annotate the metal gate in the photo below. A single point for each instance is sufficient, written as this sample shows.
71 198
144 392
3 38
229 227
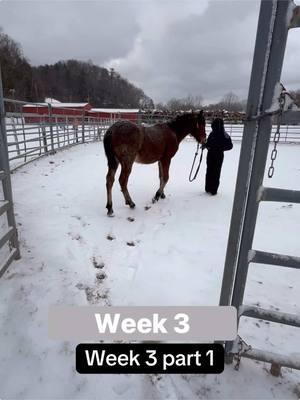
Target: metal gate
9 236
266 99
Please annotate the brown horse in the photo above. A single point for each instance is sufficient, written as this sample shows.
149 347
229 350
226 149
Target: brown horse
126 143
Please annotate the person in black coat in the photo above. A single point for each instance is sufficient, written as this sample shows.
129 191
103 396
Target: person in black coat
217 142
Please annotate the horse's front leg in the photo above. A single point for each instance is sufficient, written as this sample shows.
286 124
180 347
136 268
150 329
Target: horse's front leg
163 167
124 176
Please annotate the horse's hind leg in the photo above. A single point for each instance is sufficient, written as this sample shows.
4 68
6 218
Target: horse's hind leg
163 166
124 176
110 178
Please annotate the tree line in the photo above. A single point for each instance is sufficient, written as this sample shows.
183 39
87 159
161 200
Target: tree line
66 81
230 102
78 81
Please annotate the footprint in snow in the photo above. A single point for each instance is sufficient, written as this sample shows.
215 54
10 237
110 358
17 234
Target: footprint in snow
287 206
100 276
110 237
98 264
93 294
83 223
76 236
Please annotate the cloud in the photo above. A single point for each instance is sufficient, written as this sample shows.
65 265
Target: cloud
169 48
208 52
53 30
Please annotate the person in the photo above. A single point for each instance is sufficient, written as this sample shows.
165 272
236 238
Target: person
217 142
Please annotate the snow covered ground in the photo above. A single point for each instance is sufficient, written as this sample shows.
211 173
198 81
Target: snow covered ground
171 253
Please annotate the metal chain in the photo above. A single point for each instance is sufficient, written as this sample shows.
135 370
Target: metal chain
243 348
276 135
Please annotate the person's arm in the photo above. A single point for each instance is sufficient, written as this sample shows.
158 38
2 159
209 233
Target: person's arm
227 143
208 142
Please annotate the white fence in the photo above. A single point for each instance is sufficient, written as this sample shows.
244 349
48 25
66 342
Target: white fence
31 135
288 133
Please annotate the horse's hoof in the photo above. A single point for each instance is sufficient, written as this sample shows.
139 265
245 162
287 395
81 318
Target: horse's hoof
110 213
156 197
132 205
162 196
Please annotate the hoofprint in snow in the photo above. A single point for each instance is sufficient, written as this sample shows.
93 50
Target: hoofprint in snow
168 253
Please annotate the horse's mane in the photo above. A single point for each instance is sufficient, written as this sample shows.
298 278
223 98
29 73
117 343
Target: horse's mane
180 120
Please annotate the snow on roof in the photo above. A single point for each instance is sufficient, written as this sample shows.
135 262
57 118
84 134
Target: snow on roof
36 105
50 100
116 110
58 105
71 105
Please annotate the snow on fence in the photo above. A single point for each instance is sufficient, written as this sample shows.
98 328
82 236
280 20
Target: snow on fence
34 130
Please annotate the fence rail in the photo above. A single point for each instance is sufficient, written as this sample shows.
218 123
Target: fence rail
33 130
288 133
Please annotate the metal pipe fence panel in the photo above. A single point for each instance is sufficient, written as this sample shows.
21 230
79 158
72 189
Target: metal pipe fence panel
9 245
35 129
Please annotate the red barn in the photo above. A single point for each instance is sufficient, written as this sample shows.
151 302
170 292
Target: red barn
56 112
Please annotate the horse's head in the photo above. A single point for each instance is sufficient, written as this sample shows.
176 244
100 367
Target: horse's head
190 123
199 129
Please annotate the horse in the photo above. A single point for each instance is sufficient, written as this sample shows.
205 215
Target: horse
126 142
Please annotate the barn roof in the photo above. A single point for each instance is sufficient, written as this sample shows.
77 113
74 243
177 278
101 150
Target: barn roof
59 105
69 105
116 110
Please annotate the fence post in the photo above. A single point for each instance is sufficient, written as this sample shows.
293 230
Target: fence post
6 183
51 128
15 135
44 133
82 126
57 131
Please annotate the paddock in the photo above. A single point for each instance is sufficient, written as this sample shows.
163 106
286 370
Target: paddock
168 253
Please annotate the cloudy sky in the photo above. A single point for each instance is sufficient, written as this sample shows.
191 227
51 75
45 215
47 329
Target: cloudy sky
169 48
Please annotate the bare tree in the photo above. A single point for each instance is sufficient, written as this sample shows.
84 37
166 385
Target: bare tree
188 103
230 101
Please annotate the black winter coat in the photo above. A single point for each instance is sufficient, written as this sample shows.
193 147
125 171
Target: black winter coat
219 141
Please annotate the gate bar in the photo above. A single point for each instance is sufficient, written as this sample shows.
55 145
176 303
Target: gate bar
281 195
4 205
279 11
272 358
257 82
269 315
6 263
6 183
263 257
7 236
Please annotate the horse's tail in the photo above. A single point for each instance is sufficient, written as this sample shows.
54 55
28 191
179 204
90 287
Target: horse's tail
109 151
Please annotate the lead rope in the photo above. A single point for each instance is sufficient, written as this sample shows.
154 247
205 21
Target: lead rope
191 179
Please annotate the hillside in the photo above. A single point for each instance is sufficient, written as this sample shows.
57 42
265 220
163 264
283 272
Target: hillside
69 80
